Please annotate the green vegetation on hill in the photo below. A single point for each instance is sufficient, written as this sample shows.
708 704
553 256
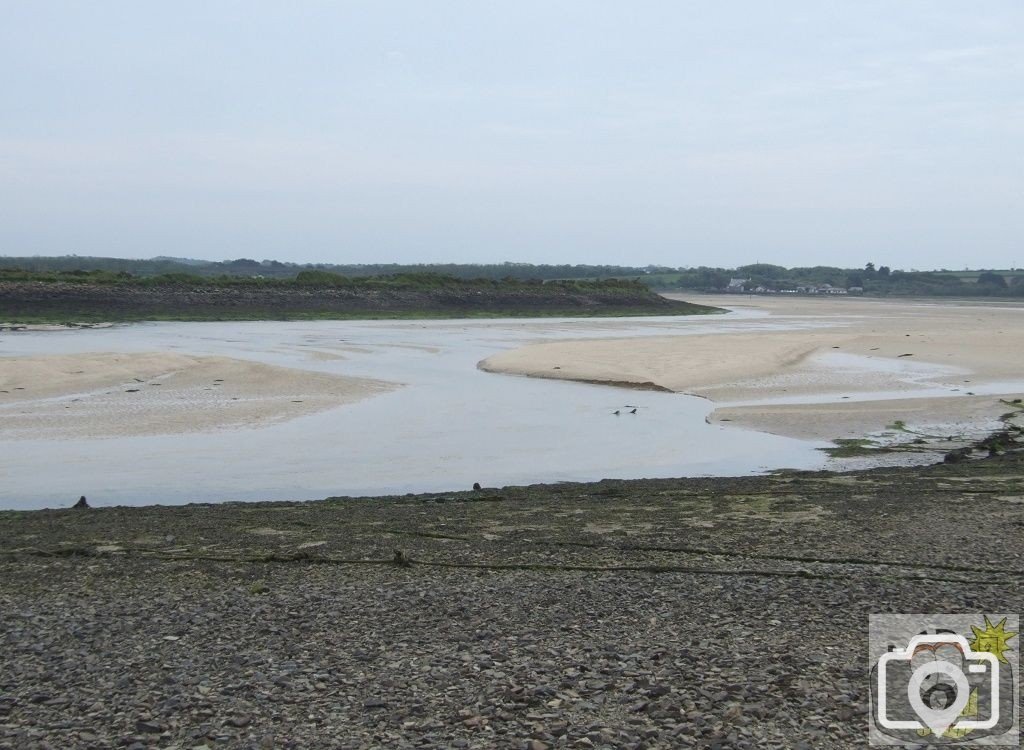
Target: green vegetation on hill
101 295
880 281
318 279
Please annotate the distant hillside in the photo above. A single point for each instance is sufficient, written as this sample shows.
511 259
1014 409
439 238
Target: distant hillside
27 297
184 261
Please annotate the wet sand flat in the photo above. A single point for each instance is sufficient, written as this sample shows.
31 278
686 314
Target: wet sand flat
159 393
249 407
869 351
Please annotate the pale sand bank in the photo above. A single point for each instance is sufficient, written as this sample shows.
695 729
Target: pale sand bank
938 417
793 382
120 395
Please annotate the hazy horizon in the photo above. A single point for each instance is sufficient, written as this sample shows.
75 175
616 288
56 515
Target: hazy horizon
637 264
676 134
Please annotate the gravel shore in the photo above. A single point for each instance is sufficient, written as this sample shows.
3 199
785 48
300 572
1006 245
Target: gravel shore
727 613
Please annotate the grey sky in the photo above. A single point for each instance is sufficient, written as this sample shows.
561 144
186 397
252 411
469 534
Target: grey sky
680 133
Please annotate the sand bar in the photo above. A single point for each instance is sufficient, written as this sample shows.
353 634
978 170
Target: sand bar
938 363
119 395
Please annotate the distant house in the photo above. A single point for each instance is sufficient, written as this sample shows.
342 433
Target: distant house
736 285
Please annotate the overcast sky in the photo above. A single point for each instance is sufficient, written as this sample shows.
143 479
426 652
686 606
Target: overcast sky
583 131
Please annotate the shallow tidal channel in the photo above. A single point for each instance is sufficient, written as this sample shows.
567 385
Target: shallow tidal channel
448 425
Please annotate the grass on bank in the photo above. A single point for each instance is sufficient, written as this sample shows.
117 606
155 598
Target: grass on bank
72 319
180 297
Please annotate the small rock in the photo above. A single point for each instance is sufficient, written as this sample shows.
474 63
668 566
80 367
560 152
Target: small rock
401 559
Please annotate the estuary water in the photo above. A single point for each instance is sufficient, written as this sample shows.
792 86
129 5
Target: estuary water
449 424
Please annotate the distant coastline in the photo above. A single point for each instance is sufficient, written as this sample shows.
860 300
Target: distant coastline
755 278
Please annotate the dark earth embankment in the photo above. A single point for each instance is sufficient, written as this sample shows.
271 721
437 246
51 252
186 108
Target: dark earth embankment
727 613
66 301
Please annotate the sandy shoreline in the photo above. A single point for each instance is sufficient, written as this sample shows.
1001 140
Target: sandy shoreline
799 367
118 395
851 368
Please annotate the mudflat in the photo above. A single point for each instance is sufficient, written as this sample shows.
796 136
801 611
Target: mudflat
843 367
634 614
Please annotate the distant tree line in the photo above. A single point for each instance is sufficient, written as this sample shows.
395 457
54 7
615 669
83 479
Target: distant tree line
315 279
278 270
879 281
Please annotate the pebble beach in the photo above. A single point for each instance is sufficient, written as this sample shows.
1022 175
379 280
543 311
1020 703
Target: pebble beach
727 613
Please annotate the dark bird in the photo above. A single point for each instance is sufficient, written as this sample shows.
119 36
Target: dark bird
476 486
633 410
616 412
82 503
